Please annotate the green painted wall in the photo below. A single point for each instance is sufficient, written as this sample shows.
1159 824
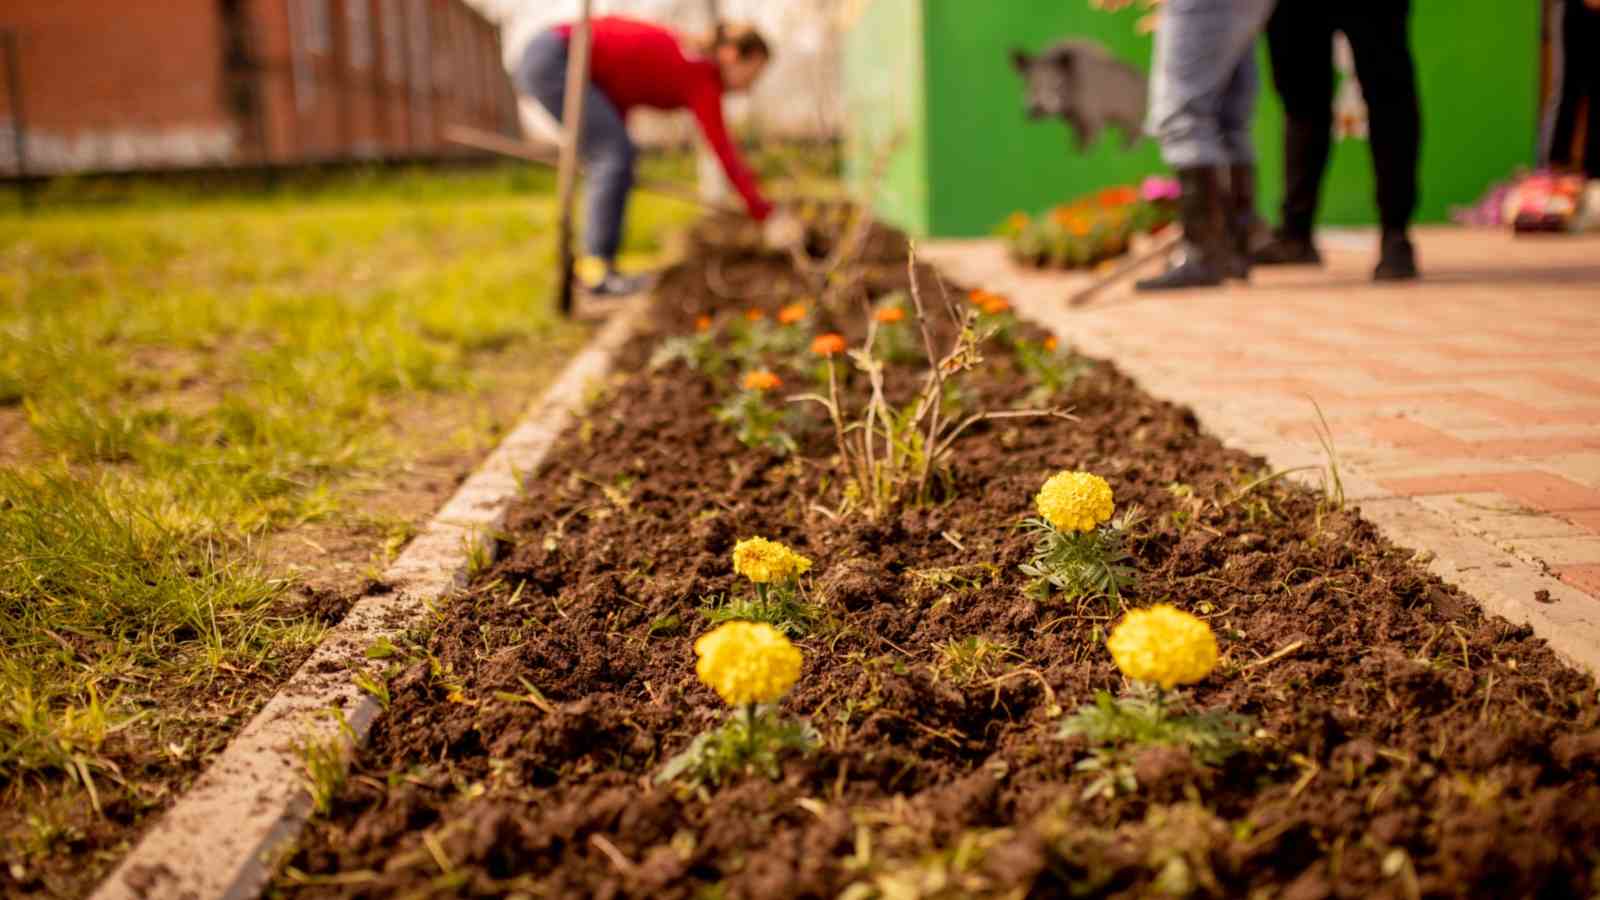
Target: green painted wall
938 73
985 157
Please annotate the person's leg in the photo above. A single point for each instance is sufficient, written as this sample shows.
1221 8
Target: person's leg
1380 41
1578 68
610 156
608 152
1589 41
1300 46
1199 45
1237 110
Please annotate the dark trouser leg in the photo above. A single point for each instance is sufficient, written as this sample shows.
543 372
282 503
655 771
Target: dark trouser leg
1591 143
1579 69
1300 45
1239 200
1585 43
611 155
607 151
1380 40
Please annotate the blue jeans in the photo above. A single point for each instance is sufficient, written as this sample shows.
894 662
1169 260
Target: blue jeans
1204 81
608 153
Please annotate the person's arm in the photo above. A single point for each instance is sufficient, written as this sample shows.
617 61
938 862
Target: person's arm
707 109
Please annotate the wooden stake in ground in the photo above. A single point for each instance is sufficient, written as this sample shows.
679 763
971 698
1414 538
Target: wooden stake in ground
571 137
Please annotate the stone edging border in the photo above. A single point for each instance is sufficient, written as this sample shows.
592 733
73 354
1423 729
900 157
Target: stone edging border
226 834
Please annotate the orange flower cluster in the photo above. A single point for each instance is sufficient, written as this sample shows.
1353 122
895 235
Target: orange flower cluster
761 380
1073 218
1113 197
828 344
988 301
889 315
792 313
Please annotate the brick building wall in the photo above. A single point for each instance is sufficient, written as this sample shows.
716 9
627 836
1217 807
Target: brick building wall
186 83
107 85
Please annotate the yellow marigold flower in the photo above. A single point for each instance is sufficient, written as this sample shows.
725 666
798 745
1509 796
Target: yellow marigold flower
1163 645
890 315
761 380
1075 501
747 662
763 561
828 344
792 313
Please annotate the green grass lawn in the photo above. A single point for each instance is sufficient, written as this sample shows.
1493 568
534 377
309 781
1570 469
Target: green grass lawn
182 378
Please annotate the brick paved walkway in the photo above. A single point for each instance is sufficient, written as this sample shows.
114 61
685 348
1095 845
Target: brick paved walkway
1464 409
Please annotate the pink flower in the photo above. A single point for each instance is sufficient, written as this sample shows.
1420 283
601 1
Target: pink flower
1157 187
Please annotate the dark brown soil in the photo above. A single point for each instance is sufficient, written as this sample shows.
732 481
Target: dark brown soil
1407 745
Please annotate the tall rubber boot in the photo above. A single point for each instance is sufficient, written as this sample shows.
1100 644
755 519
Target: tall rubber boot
1201 260
1241 218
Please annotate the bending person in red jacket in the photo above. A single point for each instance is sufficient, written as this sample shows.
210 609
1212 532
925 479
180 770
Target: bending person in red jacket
635 64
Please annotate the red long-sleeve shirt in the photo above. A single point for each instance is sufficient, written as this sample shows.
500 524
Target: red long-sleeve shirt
639 64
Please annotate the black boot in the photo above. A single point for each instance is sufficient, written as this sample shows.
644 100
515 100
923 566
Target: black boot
1397 260
1201 260
1241 218
1287 249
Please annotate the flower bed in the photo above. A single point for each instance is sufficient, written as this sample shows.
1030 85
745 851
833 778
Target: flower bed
1313 715
1090 230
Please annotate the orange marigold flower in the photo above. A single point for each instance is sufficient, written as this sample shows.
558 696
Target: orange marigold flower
761 380
1050 344
1079 226
702 323
890 315
1117 196
996 305
792 313
828 344
754 315
978 296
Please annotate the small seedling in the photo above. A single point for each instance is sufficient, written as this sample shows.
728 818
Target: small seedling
1143 719
754 741
323 762
376 686
756 421
971 659
1052 371
785 610
1087 565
